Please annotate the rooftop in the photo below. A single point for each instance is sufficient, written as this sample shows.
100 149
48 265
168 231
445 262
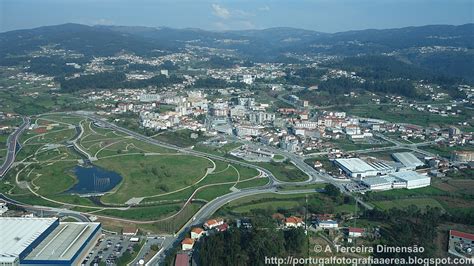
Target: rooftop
355 165
182 259
356 229
408 175
18 233
63 242
461 234
407 159
377 180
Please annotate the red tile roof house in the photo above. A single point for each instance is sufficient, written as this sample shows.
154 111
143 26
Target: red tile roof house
461 235
210 224
187 244
223 227
182 259
356 232
293 221
461 244
197 233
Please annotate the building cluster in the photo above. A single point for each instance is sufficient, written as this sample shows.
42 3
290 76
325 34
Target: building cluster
247 75
386 175
211 226
461 244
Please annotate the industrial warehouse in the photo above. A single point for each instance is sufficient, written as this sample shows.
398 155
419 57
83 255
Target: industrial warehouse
405 179
357 168
45 241
381 175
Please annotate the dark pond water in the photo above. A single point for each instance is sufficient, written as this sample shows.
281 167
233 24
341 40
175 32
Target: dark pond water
93 179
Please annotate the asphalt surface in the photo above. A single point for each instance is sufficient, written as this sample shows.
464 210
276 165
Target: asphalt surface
46 211
11 142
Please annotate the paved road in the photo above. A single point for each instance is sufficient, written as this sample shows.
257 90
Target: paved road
46 211
12 143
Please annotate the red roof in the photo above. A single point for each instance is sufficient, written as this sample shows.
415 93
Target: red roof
461 234
188 241
197 230
356 230
293 220
182 259
222 227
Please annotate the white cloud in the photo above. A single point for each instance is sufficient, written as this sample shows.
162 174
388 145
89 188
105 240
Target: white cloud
220 11
264 8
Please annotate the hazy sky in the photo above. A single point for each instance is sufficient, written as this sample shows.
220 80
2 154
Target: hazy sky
320 15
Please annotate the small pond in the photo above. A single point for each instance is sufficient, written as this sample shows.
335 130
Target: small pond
93 179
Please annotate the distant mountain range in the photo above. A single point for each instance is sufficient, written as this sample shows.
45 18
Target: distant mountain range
455 43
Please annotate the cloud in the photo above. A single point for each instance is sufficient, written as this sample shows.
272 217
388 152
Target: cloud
220 11
264 8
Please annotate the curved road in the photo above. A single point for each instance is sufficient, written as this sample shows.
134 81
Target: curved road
12 143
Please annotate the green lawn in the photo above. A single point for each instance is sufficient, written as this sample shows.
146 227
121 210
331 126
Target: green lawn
180 138
220 151
55 136
246 172
143 213
402 115
284 171
278 157
258 182
421 203
151 175
310 186
446 151
283 204
55 178
212 192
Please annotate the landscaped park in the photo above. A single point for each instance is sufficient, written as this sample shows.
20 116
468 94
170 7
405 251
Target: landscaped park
71 162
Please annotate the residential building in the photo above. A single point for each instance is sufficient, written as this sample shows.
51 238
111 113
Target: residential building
213 223
197 233
355 232
293 222
187 244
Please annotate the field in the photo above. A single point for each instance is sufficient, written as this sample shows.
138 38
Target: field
421 203
446 151
295 204
284 171
180 138
348 145
401 115
151 175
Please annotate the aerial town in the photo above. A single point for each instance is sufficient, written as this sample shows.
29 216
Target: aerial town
131 145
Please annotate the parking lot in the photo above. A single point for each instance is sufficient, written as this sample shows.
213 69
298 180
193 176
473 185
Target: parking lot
111 247
108 249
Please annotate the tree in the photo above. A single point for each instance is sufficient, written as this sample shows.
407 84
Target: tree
332 191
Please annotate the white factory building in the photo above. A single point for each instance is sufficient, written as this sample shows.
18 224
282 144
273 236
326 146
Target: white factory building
412 179
404 179
45 241
408 159
357 168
